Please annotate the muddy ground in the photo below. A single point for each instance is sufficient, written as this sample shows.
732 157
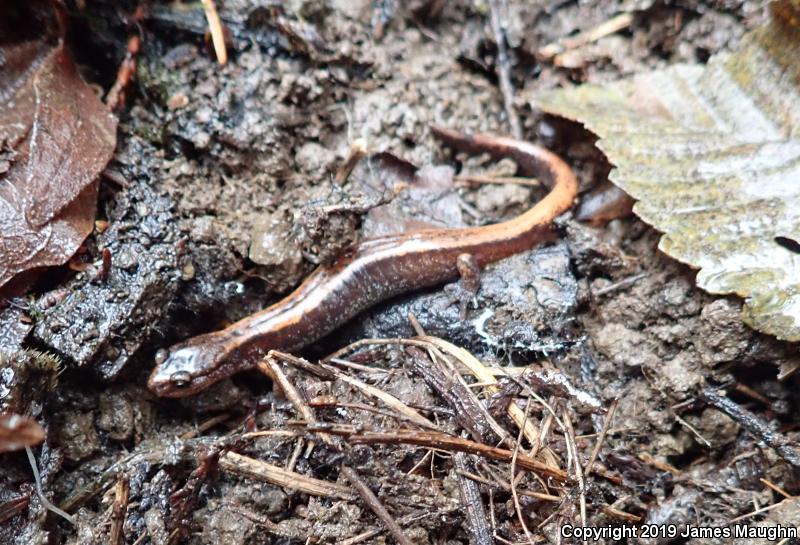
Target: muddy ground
229 199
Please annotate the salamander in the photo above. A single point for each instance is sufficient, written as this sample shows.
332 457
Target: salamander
370 272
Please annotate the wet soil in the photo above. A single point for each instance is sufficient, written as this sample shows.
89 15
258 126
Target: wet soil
229 198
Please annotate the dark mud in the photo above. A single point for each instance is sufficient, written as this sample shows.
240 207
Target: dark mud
229 199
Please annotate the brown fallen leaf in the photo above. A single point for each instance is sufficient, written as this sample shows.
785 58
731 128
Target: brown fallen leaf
18 432
55 138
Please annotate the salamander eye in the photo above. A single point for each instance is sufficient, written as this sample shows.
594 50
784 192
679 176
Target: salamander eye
180 379
161 356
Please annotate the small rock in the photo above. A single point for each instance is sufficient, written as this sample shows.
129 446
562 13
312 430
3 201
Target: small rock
201 140
77 436
625 346
177 101
116 417
314 158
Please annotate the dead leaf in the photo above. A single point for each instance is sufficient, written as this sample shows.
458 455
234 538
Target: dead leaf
712 154
55 138
18 432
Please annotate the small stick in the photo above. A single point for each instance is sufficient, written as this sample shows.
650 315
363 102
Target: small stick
503 71
270 433
272 474
625 282
470 413
757 512
648 458
375 505
416 325
116 177
364 407
358 149
776 488
502 485
441 441
270 367
615 24
600 438
115 98
105 265
358 367
479 370
428 454
788 368
388 399
303 364
749 392
512 480
471 498
298 449
205 426
492 518
571 444
215 28
120 508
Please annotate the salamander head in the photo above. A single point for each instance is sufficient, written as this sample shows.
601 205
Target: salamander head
188 368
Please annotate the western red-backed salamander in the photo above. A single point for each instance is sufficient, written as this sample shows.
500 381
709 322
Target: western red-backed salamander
368 273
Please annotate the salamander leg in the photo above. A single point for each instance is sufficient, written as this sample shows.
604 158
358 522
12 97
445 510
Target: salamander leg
465 291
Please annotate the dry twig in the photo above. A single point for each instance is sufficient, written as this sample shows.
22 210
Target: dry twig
457 395
205 426
615 24
215 28
270 367
300 363
120 508
388 399
471 498
501 484
512 480
358 149
758 427
268 473
504 70
440 441
573 446
600 438
468 411
375 505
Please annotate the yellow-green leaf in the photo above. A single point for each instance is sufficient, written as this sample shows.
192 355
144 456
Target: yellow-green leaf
712 155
